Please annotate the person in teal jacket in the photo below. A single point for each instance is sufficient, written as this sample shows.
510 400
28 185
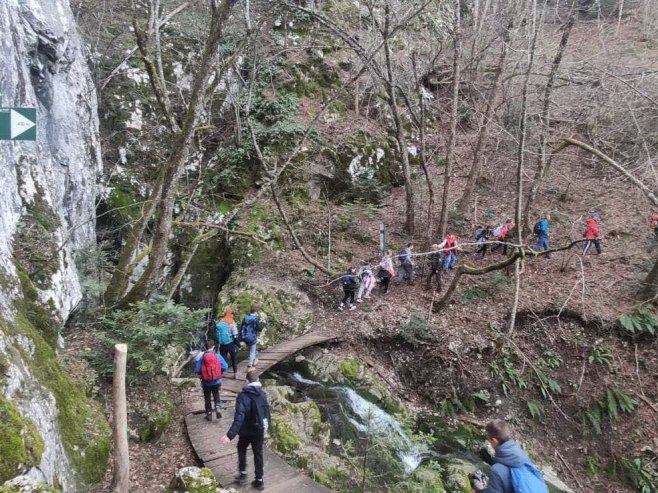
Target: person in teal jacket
541 229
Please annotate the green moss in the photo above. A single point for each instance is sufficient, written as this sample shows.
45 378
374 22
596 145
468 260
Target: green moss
428 479
84 430
41 488
188 482
350 368
38 315
21 446
122 205
284 438
157 424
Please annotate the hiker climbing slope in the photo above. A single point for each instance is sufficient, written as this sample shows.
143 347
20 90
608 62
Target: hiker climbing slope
541 230
435 267
348 281
592 234
368 282
386 270
450 250
511 469
406 265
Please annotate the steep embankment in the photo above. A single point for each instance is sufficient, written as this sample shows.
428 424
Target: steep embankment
47 192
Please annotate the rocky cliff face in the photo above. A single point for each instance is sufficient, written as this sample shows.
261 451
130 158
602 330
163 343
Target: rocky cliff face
47 194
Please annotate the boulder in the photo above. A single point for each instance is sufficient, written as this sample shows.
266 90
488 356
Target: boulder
196 480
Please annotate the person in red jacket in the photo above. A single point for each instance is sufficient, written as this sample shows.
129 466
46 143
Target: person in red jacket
653 225
592 234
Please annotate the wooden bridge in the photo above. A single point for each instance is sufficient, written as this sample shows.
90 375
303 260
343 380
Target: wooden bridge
223 459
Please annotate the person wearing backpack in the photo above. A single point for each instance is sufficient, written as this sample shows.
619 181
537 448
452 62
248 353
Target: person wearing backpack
348 280
482 235
512 471
406 265
209 366
249 330
592 234
227 336
386 271
250 423
435 267
541 230
368 282
500 234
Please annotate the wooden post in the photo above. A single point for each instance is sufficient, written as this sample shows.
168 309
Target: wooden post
121 479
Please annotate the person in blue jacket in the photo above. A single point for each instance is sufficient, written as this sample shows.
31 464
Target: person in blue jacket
508 454
541 230
209 366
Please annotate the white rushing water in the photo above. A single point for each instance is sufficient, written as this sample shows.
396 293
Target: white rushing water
298 378
371 419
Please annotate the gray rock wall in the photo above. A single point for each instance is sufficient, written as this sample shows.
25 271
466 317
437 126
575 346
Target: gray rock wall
42 65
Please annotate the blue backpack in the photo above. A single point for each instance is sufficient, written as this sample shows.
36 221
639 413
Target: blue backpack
249 330
527 479
223 333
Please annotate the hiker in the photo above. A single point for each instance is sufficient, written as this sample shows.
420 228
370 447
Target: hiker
592 234
250 423
500 234
541 230
406 265
227 336
482 235
209 366
511 469
450 250
653 225
348 280
435 267
368 282
386 271
249 330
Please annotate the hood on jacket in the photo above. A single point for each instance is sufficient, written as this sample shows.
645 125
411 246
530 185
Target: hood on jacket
250 317
253 388
511 454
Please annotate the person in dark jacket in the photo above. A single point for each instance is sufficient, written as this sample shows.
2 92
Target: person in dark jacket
508 454
348 281
212 387
249 330
435 267
406 265
250 427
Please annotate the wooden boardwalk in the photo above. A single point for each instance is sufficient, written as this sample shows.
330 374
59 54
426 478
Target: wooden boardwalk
223 459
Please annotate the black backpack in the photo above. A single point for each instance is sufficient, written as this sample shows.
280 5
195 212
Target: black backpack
261 410
536 229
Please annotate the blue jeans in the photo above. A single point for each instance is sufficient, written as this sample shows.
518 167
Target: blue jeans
542 244
252 353
449 261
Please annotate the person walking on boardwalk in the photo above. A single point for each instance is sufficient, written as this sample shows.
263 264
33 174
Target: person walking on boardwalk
227 336
249 330
435 267
511 468
209 366
541 230
368 282
450 250
386 271
592 234
348 280
250 423
406 265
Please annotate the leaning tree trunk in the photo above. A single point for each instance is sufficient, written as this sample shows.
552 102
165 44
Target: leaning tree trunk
450 152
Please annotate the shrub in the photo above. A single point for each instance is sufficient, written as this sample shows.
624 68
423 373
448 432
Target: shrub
158 335
642 322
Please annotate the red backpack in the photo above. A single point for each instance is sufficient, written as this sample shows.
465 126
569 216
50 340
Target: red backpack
210 367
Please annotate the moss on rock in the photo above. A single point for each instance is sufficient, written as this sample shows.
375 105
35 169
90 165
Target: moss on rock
21 446
25 484
350 368
284 437
156 425
194 480
84 430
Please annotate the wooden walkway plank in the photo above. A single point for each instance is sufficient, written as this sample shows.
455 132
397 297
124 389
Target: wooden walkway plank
222 459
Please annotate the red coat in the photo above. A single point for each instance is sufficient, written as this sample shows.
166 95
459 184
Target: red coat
592 230
451 245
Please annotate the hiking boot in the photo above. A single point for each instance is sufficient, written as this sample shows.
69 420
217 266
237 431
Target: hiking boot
258 484
352 307
359 300
241 477
218 413
367 296
208 416
341 306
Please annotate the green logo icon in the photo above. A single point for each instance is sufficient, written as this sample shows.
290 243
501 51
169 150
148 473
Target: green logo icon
18 124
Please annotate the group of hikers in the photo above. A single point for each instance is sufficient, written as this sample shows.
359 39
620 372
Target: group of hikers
358 284
252 415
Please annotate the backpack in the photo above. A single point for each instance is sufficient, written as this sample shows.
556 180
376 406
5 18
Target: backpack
347 280
223 333
537 228
527 479
261 410
211 369
249 330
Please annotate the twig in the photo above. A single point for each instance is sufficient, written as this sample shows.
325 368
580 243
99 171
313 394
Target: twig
646 400
566 464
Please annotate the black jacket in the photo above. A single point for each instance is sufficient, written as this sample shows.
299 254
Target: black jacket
245 420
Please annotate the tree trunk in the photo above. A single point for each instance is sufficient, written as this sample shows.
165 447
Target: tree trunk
121 479
649 291
545 117
409 223
452 140
474 174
